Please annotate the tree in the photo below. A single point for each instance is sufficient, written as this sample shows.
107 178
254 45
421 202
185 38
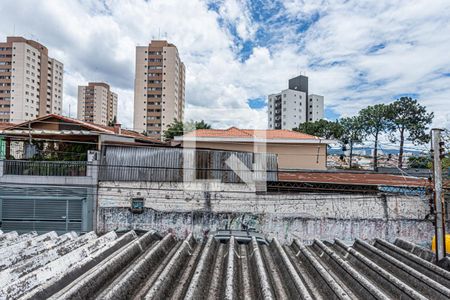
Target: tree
376 120
419 162
352 133
179 128
174 129
410 120
201 125
321 128
112 122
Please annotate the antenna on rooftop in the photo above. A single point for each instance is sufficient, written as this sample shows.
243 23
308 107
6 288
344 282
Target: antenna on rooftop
159 33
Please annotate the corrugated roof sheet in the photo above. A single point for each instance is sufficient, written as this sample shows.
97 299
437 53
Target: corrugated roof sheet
154 267
354 178
234 132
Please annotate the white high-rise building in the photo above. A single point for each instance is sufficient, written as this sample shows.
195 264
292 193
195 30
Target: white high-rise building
293 106
287 109
315 107
31 82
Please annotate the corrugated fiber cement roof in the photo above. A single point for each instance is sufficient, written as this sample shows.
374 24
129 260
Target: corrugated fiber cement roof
68 266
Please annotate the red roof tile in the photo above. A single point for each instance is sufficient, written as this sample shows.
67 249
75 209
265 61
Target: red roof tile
90 126
234 132
5 125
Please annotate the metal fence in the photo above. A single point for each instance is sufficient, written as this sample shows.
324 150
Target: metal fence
176 165
44 168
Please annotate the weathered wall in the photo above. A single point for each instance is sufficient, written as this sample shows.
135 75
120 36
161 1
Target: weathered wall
290 156
202 208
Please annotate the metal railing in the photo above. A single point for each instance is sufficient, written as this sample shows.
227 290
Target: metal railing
44 168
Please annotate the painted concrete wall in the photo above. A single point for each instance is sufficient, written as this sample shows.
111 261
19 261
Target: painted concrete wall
54 188
290 156
202 208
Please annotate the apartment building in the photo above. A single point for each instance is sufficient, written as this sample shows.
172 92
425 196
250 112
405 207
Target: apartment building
294 106
159 88
315 107
97 103
31 82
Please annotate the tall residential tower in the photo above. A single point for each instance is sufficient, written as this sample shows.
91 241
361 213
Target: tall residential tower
158 88
31 82
97 103
293 106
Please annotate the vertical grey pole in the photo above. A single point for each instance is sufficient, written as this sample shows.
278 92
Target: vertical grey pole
438 197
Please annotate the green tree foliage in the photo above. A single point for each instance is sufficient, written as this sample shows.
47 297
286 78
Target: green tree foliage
419 162
410 122
174 129
376 120
60 151
112 122
322 128
425 162
352 133
179 128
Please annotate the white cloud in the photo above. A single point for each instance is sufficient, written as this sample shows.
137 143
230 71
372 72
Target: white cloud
236 13
330 42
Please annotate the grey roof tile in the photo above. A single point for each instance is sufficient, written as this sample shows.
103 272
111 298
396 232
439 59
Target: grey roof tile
154 267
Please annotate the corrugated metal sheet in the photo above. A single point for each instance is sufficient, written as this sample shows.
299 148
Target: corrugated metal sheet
171 164
25 208
353 178
154 267
41 215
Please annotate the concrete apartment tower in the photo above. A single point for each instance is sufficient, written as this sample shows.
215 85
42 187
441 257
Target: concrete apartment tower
294 106
31 82
97 103
158 88
315 107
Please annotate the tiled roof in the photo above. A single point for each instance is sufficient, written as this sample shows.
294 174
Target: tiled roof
353 178
87 125
5 125
155 267
234 132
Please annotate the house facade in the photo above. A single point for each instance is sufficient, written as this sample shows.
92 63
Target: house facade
295 150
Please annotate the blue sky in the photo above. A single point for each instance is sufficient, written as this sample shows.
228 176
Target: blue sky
355 53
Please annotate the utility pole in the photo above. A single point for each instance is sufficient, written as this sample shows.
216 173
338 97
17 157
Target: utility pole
437 145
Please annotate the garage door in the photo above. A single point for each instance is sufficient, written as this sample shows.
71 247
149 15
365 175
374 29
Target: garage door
41 214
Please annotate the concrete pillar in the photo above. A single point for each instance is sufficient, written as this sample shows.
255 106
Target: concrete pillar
93 165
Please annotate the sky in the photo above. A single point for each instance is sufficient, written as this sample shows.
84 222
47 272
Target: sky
355 53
